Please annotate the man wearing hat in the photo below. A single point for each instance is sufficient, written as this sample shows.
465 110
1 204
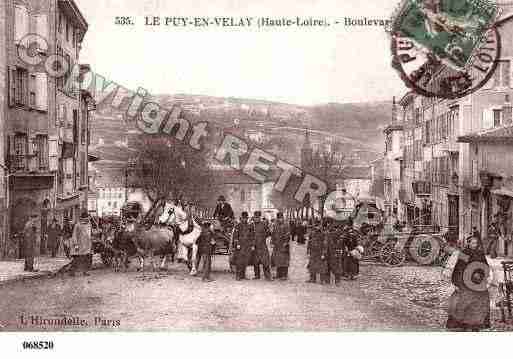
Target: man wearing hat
31 240
81 245
261 253
223 211
280 238
243 245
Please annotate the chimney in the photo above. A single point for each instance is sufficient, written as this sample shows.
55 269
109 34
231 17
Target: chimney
506 110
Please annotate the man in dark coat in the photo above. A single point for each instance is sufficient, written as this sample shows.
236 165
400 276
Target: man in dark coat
336 254
261 253
317 251
300 232
280 237
54 237
351 264
31 240
292 228
243 244
223 211
206 243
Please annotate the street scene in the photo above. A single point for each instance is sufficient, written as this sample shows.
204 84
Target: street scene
299 192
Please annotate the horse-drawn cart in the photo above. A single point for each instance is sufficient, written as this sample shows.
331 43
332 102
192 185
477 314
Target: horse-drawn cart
421 244
223 233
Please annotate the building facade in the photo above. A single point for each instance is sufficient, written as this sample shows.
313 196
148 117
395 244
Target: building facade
453 152
43 152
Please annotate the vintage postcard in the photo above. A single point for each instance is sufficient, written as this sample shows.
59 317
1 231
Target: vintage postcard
255 166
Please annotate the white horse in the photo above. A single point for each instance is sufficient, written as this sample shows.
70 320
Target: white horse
174 215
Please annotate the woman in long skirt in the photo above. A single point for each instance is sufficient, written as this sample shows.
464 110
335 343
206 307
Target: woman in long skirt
469 305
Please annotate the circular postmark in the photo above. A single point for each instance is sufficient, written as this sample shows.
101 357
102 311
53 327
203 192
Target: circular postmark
444 52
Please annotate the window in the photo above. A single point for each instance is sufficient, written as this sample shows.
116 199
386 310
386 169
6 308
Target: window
115 204
32 88
497 118
21 23
67 31
21 86
42 151
20 150
83 168
75 126
83 127
242 196
60 24
502 75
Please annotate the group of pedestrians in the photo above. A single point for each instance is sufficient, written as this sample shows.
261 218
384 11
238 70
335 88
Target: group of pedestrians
75 239
333 250
251 247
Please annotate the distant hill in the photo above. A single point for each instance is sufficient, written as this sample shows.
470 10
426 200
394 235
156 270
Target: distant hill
358 126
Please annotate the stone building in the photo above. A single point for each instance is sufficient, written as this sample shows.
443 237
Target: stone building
43 124
453 150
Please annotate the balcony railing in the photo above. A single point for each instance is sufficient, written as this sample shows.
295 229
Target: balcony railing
421 188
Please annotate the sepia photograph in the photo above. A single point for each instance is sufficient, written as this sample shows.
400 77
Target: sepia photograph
255 167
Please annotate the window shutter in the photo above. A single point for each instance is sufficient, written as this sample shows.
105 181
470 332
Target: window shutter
53 153
32 89
32 158
12 151
41 24
21 23
12 86
42 91
487 119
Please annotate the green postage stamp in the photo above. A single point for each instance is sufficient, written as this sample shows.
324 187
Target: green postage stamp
449 29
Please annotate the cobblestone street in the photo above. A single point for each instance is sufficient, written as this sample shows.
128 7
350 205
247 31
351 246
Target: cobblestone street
383 298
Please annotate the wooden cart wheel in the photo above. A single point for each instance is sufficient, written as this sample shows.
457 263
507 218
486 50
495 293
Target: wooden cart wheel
374 250
391 256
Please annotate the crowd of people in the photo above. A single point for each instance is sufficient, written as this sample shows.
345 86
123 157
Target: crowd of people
74 239
333 249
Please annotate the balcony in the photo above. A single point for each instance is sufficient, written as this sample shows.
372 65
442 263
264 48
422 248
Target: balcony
421 188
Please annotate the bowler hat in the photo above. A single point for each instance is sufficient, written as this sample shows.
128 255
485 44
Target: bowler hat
258 214
221 198
279 215
244 214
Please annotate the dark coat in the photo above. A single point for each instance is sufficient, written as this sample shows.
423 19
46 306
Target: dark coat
280 238
54 233
31 239
261 253
243 243
336 252
469 309
318 252
206 242
223 210
351 264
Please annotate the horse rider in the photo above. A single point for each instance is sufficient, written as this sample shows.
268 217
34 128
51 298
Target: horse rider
223 212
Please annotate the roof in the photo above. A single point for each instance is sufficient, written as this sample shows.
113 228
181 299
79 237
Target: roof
393 127
233 177
498 135
357 172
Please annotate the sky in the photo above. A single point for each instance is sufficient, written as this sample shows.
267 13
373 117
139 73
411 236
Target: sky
295 65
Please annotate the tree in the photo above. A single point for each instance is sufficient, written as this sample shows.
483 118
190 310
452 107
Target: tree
328 165
164 167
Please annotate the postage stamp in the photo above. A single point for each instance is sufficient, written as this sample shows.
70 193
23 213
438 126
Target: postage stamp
453 37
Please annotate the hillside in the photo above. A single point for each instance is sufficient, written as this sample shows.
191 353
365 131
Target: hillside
357 126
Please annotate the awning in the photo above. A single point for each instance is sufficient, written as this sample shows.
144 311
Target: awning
63 203
92 158
503 191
